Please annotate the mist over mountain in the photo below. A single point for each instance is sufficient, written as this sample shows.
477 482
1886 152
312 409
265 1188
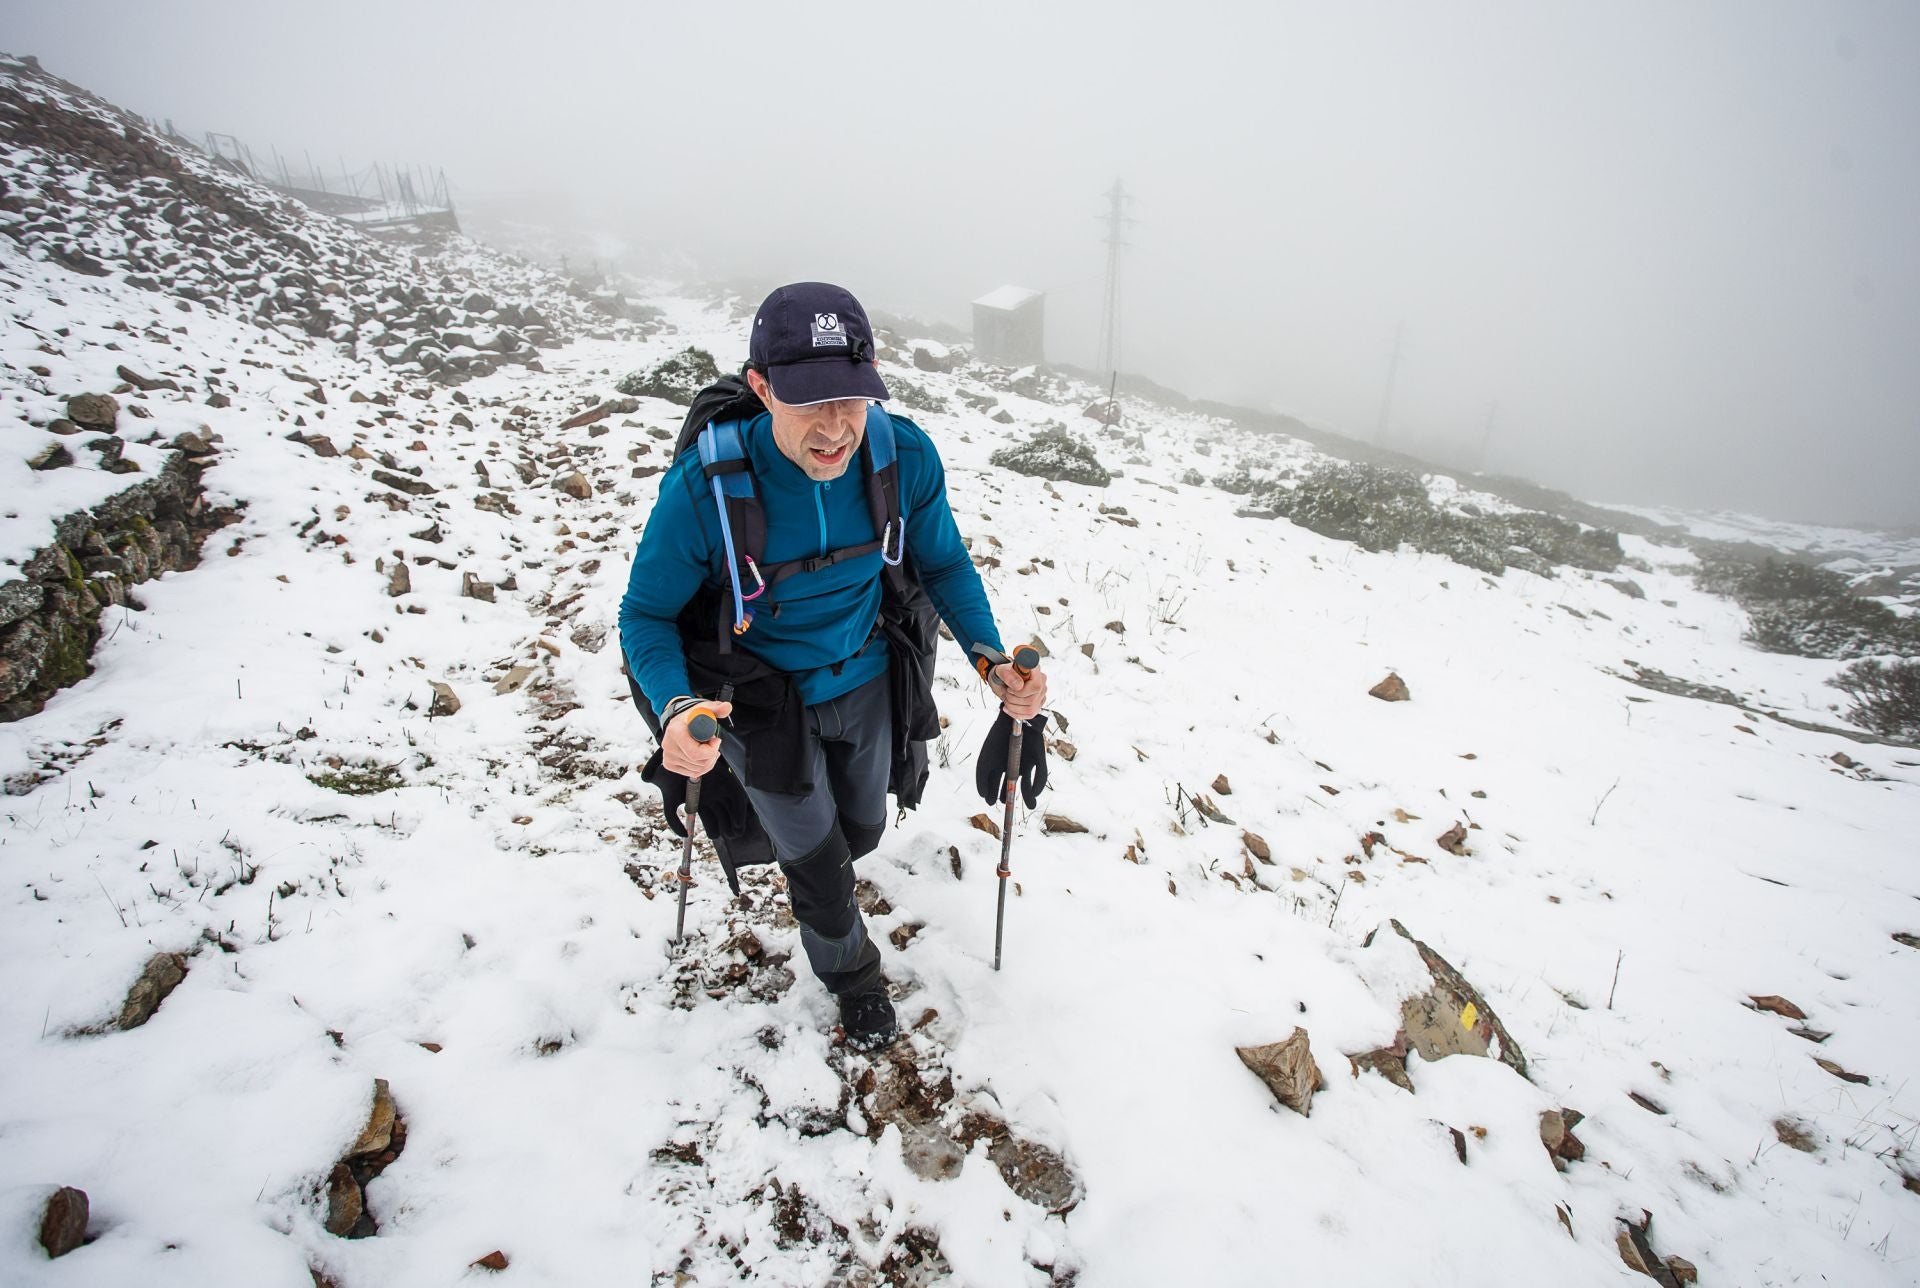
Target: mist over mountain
1648 254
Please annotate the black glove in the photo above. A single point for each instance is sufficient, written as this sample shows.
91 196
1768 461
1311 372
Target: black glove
724 807
672 788
990 771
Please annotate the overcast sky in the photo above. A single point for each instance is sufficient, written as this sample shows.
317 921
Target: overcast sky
1667 252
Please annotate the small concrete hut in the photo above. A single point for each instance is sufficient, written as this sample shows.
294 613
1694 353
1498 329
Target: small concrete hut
1009 327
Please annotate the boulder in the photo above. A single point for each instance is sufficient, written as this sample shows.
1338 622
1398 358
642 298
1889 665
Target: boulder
1391 689
445 701
1390 1062
146 384
158 978
675 379
575 485
1056 455
404 483
54 456
378 1132
93 411
19 598
63 1223
1636 1250
1556 1134
1777 1005
1060 823
1451 1017
1288 1070
929 356
344 1202
1257 846
473 588
615 407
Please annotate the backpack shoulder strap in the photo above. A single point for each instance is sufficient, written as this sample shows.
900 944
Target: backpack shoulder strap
883 492
743 524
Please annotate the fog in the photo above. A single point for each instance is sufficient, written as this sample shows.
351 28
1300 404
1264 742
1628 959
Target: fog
1647 252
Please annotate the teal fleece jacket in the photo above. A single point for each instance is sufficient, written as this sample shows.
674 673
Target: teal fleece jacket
812 620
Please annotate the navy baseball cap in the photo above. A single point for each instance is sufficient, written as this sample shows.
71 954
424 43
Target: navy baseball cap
815 344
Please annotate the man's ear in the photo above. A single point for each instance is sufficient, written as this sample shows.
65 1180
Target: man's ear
758 383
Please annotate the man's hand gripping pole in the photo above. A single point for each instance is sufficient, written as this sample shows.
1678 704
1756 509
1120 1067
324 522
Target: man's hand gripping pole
702 727
1024 660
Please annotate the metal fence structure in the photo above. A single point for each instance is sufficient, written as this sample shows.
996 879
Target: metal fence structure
374 197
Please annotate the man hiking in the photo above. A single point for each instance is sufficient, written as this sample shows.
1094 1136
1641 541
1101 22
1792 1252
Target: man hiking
793 632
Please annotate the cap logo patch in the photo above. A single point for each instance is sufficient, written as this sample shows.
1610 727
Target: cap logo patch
826 331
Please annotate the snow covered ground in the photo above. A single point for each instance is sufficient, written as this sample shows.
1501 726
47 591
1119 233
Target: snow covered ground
472 906
1883 564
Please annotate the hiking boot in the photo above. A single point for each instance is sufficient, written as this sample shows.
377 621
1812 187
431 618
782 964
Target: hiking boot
867 1019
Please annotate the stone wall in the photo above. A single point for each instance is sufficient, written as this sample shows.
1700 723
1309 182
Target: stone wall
50 613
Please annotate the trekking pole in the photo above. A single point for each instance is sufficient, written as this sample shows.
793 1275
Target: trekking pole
702 727
1025 658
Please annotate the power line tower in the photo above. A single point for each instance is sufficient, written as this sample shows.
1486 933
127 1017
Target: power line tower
1117 220
1393 374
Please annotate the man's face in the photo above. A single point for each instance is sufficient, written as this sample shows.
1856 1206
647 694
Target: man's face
820 439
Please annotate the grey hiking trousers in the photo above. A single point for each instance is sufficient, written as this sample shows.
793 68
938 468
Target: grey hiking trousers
817 837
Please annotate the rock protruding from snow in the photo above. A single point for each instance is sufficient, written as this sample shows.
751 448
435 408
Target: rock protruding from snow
163 973
1556 1134
1636 1250
1391 689
1449 1016
1288 1069
378 1143
675 379
49 620
1057 455
445 701
378 1133
612 407
93 411
63 1222
1389 1061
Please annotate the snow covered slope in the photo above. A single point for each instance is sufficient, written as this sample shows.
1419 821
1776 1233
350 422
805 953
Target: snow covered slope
472 906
